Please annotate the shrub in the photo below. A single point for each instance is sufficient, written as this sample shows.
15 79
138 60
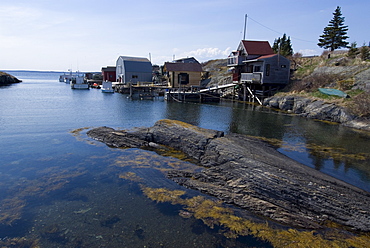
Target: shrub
315 81
365 53
346 84
360 105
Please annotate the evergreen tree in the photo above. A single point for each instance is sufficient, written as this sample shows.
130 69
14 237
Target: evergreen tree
335 34
365 52
353 50
283 46
275 46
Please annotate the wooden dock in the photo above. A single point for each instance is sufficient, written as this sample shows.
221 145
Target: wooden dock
243 92
188 96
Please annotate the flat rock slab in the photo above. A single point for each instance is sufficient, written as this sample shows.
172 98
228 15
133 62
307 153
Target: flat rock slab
251 174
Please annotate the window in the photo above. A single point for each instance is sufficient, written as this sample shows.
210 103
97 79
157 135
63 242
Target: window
283 66
183 78
135 76
268 70
257 68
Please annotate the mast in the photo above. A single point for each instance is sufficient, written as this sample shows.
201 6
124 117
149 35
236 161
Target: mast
245 26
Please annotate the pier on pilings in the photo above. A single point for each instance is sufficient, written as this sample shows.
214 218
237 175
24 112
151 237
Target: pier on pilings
186 96
140 91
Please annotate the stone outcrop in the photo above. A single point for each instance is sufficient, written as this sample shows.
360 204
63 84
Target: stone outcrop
316 109
310 108
252 175
6 79
359 73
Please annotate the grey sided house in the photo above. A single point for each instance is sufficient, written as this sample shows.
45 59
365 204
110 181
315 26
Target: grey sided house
255 65
133 70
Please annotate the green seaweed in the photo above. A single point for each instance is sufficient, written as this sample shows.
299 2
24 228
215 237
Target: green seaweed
335 153
147 159
213 213
50 180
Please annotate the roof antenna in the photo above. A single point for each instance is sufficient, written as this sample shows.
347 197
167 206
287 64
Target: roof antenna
245 26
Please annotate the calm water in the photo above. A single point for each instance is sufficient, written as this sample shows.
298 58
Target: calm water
65 190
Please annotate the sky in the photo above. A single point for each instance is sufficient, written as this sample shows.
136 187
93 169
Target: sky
86 35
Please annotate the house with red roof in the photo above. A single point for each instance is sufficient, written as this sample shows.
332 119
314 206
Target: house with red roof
255 65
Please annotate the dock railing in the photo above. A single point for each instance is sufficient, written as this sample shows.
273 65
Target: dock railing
255 77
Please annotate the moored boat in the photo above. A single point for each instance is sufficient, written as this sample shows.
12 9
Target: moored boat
107 87
66 78
78 82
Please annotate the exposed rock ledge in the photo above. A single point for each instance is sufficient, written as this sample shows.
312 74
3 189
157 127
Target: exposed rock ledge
316 109
252 175
6 79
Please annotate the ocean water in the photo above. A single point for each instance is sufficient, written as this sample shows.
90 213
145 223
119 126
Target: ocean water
58 188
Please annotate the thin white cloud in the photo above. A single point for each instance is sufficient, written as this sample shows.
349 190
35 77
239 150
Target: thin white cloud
309 52
209 53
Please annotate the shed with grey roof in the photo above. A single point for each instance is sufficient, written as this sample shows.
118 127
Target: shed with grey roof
133 70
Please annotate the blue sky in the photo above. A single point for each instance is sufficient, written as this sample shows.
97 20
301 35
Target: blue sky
89 34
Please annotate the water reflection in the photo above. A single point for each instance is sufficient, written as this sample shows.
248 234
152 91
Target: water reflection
186 112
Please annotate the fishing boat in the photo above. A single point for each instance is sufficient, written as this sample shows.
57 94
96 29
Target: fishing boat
66 78
107 87
78 82
333 92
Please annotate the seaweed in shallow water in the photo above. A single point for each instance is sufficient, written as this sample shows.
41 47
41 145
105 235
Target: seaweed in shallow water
213 213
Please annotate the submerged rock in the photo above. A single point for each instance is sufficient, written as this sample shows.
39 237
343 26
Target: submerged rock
252 175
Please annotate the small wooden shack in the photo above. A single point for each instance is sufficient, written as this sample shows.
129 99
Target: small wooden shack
183 74
109 73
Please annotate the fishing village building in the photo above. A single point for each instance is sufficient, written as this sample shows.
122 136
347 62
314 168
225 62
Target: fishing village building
258 69
183 73
133 70
109 73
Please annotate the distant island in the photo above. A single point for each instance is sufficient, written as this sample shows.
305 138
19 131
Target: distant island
6 79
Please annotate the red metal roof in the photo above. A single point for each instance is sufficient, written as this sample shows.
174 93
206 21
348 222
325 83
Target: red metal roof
267 56
169 66
257 47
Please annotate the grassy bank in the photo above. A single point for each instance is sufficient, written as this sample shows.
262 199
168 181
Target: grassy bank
350 75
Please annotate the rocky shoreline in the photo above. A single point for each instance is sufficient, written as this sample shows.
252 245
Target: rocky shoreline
6 79
317 109
252 175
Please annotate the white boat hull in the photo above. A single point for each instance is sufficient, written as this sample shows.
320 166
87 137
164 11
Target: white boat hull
107 90
107 87
80 86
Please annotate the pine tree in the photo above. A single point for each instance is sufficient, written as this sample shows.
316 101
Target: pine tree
353 50
335 34
365 52
275 46
283 46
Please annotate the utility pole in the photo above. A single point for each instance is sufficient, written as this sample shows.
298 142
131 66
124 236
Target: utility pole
245 26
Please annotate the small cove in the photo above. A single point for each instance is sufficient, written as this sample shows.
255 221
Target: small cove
69 191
